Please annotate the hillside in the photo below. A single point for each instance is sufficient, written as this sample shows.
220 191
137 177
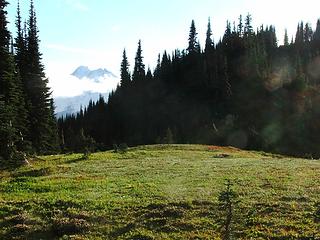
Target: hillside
160 192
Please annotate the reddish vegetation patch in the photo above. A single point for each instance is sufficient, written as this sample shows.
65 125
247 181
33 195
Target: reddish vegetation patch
223 149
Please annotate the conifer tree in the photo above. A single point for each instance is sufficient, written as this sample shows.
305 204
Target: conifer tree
316 35
286 39
240 27
149 75
157 70
193 46
125 74
53 135
20 44
37 91
248 29
299 34
308 33
10 92
139 67
225 86
227 33
209 41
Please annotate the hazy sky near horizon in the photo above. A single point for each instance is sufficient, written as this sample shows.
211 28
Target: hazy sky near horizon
95 32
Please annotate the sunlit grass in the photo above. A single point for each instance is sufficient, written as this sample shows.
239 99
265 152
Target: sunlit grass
160 192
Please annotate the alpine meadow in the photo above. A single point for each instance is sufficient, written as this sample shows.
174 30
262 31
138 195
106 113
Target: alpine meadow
217 140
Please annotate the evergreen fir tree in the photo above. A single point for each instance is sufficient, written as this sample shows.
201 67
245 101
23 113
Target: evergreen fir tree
193 46
7 134
248 29
124 71
240 27
20 44
38 93
157 70
227 35
139 67
209 41
316 35
22 109
54 143
299 34
286 39
195 91
149 75
10 93
308 33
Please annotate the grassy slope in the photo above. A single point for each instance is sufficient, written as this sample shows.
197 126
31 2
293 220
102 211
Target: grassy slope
160 192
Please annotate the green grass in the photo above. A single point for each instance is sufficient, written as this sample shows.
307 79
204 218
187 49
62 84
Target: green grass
160 192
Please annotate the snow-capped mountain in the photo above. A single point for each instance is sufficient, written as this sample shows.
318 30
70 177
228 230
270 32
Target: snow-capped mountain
71 105
90 84
96 75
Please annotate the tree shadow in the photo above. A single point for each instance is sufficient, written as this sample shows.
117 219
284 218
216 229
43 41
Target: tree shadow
159 218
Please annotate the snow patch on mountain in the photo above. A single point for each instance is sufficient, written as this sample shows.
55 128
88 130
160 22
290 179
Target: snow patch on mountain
82 86
96 75
72 105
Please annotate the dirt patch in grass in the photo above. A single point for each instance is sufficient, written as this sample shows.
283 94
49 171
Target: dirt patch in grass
223 149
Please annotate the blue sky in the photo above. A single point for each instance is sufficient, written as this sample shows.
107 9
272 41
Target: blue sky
94 32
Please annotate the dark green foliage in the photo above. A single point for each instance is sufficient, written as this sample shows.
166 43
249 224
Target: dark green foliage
82 143
244 91
308 33
299 34
12 113
86 155
38 94
228 199
27 121
193 46
286 38
40 129
7 134
124 71
240 27
209 41
168 139
248 29
139 67
316 35
121 148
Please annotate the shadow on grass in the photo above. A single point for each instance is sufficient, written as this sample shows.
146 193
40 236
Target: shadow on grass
76 160
163 218
51 220
199 219
34 173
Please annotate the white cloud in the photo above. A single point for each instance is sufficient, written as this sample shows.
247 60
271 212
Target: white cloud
73 86
64 84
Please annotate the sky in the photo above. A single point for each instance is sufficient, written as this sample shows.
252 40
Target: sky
94 32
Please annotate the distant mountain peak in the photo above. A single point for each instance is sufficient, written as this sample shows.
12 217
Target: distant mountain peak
72 105
81 72
96 75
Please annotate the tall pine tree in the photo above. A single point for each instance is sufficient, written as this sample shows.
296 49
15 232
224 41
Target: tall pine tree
42 126
316 35
124 71
193 46
286 38
11 98
209 41
139 67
